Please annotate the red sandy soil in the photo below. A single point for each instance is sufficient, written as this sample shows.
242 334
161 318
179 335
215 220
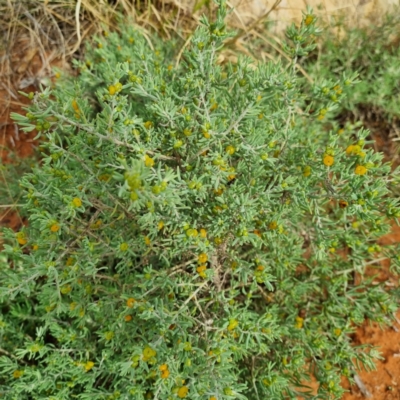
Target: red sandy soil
22 70
382 384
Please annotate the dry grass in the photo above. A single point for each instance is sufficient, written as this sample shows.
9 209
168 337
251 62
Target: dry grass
40 34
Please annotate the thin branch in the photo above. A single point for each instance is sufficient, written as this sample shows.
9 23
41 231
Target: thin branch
253 25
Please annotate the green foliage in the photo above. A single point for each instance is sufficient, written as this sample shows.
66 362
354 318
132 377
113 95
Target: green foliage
193 231
373 53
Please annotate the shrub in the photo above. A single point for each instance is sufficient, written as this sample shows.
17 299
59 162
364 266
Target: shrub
373 53
193 231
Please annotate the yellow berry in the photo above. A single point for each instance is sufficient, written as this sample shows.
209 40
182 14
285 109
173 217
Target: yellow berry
355 224
165 374
360 170
148 124
299 322
148 352
233 323
160 225
77 202
17 374
148 161
182 392
124 246
230 150
89 365
112 90
273 225
203 258
163 367
66 289
307 171
328 160
217 241
192 233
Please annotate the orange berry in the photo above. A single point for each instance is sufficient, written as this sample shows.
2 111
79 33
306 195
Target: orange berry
130 302
201 268
75 105
128 318
343 203
309 19
22 240
165 374
55 227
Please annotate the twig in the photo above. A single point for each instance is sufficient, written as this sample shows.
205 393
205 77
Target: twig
78 24
186 302
12 356
365 392
178 58
253 25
